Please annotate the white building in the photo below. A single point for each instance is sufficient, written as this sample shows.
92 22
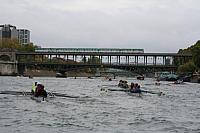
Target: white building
23 36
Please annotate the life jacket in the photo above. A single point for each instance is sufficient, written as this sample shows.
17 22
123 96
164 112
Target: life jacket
33 88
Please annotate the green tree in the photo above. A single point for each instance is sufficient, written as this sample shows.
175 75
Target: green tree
195 51
7 44
187 67
196 54
30 47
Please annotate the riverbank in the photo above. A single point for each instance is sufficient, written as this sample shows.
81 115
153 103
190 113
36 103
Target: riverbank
50 73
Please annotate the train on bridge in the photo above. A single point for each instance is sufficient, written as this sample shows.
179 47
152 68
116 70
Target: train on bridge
92 50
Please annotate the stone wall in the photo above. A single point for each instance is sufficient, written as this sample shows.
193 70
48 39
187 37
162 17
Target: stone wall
8 64
8 69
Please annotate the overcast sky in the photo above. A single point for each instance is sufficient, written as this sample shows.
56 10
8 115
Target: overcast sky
153 25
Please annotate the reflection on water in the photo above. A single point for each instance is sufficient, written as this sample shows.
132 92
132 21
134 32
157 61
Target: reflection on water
177 111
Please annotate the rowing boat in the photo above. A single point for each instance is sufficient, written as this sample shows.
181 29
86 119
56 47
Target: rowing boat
39 99
128 91
49 94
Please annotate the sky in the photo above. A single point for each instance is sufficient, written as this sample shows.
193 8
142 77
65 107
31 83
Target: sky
152 25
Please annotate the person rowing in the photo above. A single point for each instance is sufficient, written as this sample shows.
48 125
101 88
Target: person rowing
135 88
123 84
38 90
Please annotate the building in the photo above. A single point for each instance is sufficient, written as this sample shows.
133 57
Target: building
23 36
10 32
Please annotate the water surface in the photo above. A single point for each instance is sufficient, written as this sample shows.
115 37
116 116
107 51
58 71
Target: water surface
114 112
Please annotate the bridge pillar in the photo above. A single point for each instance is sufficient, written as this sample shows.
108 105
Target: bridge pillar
8 63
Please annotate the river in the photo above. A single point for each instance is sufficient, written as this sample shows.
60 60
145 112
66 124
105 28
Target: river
99 111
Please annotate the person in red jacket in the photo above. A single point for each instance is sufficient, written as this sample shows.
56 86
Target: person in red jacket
40 91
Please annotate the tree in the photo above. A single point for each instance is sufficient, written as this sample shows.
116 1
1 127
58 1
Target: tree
30 47
94 60
195 51
196 54
7 44
187 67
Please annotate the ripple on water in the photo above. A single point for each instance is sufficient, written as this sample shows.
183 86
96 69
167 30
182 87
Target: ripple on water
119 112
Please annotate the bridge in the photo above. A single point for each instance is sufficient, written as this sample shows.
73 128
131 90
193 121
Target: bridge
64 60
136 62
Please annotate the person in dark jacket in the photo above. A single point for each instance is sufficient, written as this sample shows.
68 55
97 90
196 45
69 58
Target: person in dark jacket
40 91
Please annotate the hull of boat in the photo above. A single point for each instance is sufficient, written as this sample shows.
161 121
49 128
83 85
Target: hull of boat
140 78
38 99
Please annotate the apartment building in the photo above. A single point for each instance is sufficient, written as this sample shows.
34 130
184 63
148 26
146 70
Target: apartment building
10 31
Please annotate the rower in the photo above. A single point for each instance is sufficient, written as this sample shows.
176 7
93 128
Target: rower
132 86
135 89
136 85
120 83
40 91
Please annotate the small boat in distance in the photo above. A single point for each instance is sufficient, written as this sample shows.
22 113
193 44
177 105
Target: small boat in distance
61 75
195 78
166 76
140 77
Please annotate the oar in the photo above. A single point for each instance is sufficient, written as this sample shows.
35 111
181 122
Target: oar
107 85
124 90
15 92
153 92
64 95
29 93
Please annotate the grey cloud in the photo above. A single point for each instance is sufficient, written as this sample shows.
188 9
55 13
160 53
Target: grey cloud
156 25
